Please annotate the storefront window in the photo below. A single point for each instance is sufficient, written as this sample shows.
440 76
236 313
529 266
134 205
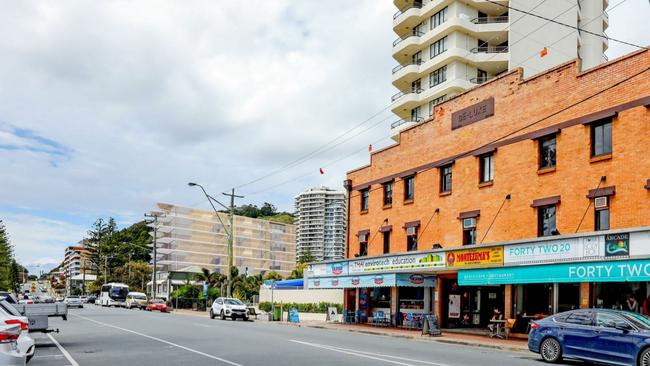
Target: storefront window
533 300
615 295
568 297
380 299
411 301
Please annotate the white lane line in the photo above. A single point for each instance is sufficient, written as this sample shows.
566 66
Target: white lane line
65 353
358 354
159 340
387 356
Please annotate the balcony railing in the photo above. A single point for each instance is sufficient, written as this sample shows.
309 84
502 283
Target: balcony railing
399 67
403 93
403 121
489 20
404 9
489 49
406 36
479 79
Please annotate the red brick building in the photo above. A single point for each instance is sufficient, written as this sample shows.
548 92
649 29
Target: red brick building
560 158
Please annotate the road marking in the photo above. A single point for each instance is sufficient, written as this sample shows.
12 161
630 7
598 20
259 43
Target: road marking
159 340
65 353
370 355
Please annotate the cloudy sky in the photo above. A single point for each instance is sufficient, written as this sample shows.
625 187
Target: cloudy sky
108 107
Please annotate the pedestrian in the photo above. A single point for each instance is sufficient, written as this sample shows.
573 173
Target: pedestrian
494 327
646 306
632 304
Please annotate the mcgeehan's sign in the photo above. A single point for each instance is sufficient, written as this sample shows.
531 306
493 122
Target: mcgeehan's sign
614 271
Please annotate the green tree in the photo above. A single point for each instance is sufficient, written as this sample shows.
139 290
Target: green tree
307 257
298 271
272 275
214 279
6 259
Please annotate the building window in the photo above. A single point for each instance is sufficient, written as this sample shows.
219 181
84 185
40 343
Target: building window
388 194
435 102
438 18
416 86
438 76
412 239
363 249
416 114
365 195
546 221
409 188
386 242
601 138
547 152
417 58
438 47
487 167
469 231
601 219
445 178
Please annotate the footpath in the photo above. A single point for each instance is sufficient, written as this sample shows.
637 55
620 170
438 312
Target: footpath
450 337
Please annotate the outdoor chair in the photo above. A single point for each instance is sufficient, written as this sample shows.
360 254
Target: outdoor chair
510 324
361 317
349 317
381 319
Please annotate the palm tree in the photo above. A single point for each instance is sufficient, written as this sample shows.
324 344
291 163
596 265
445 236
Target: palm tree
214 279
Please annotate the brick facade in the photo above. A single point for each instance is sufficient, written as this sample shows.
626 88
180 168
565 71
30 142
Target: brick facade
520 107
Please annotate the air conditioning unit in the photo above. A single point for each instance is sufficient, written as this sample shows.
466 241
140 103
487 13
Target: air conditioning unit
469 223
411 231
363 238
600 202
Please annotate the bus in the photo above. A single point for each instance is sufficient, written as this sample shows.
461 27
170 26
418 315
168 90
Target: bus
113 294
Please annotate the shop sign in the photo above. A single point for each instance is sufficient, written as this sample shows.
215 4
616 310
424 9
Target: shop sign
473 113
409 262
454 307
611 271
573 249
475 257
640 244
378 280
617 245
327 269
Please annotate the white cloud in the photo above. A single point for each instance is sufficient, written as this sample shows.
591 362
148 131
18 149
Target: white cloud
145 96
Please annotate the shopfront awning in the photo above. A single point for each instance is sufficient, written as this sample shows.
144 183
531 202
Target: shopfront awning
378 280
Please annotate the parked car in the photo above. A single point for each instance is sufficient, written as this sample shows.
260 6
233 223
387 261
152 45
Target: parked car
226 307
10 316
84 299
73 301
11 298
137 300
595 335
157 304
9 354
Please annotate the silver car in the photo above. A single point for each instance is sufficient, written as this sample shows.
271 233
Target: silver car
9 354
73 301
9 315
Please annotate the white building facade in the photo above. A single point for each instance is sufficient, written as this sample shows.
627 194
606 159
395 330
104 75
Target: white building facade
445 47
321 224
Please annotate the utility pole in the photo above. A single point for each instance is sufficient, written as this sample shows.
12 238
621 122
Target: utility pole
155 215
231 217
229 231
83 278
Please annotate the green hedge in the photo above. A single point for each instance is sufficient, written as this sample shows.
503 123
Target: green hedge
321 307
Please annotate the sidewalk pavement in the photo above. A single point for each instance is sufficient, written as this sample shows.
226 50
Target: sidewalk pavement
473 340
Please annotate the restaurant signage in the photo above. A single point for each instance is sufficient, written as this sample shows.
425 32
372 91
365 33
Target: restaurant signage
472 114
475 257
572 249
408 262
611 271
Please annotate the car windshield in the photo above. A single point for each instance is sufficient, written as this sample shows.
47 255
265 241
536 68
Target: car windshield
9 308
157 301
640 321
233 302
139 297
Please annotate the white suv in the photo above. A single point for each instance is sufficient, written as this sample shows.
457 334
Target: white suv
226 307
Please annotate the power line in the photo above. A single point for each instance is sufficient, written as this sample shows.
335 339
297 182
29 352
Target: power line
555 42
568 25
470 152
321 149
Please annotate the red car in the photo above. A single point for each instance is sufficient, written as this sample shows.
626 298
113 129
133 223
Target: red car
157 305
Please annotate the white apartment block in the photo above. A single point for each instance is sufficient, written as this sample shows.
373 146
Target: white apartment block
189 239
321 218
445 47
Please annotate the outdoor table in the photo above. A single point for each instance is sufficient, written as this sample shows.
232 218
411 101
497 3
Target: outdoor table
499 326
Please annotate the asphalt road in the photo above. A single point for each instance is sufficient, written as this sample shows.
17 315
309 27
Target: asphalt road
110 336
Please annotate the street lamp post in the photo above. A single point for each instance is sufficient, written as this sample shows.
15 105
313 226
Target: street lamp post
229 231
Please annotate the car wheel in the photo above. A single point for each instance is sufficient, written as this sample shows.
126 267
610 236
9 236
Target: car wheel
551 350
246 319
644 357
211 314
223 316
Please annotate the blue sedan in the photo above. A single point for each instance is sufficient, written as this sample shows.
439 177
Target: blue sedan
596 335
